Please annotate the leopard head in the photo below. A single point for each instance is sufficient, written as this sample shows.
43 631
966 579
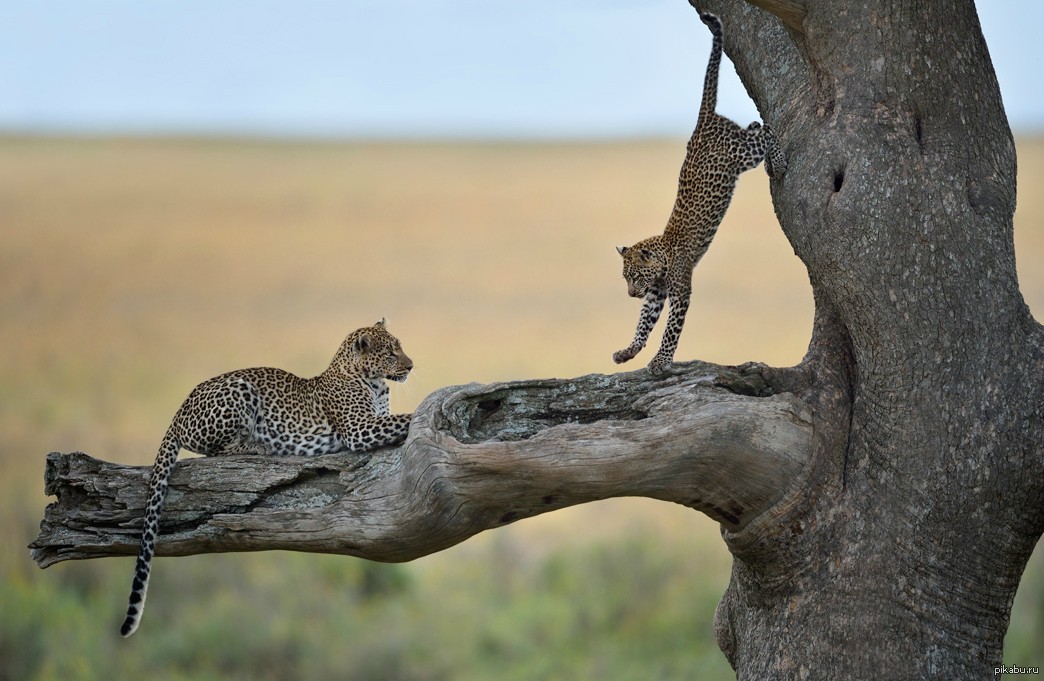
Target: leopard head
644 267
372 352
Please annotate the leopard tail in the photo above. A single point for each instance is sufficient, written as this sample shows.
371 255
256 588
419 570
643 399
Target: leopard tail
165 459
710 81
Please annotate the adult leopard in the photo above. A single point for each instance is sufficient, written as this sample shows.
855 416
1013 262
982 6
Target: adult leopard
660 268
271 411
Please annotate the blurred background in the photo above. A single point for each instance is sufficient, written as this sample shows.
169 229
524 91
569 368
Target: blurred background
191 187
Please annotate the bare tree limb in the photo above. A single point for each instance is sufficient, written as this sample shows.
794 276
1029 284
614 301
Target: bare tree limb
478 456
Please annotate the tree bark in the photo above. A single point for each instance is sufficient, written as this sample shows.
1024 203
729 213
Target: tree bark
902 558
880 500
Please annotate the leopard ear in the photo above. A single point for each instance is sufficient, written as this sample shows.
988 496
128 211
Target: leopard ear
362 343
622 250
380 322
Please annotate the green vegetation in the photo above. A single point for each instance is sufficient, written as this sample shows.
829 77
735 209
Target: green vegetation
630 609
133 269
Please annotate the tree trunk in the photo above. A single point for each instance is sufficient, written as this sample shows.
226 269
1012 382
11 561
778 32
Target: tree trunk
901 556
881 499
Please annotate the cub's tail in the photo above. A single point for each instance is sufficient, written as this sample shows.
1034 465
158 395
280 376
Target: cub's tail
710 81
165 459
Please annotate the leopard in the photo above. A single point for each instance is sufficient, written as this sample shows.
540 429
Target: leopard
273 412
659 269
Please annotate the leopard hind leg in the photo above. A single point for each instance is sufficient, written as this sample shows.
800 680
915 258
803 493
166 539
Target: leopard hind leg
755 143
775 159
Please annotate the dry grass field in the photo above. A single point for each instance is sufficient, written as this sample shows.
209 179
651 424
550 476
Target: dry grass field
132 269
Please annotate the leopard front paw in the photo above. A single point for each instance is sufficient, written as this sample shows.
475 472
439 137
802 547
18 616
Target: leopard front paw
625 355
659 365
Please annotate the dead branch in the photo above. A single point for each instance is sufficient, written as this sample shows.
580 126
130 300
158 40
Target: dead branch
712 438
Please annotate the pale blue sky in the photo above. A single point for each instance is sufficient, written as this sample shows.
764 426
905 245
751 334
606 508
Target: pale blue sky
487 68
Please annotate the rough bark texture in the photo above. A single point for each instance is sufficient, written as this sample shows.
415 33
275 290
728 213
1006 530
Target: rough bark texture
902 557
881 500
715 439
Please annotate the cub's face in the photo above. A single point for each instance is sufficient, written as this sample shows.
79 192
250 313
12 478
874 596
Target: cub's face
379 354
643 269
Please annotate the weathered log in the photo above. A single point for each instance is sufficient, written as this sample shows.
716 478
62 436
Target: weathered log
719 440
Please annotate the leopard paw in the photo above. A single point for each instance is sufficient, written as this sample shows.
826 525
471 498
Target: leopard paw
775 159
775 164
627 354
659 365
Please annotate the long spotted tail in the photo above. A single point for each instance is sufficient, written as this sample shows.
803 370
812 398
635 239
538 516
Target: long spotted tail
710 81
165 459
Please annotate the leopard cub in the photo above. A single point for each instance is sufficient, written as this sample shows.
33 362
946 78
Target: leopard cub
270 411
660 268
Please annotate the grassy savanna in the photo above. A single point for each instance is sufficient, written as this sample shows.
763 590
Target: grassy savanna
133 269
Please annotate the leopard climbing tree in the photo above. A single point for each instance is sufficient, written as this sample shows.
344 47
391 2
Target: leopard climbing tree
880 499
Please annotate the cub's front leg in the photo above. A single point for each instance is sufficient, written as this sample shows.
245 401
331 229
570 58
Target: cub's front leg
377 431
663 359
651 308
